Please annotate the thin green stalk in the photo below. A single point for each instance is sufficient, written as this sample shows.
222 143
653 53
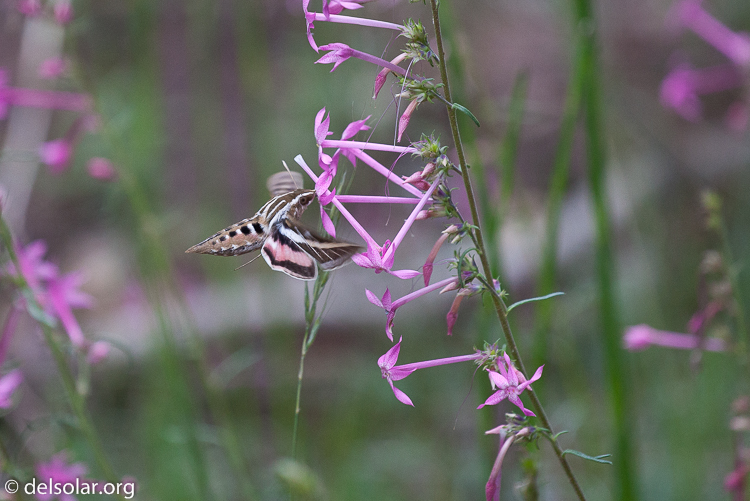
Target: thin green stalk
77 401
500 307
558 185
617 376
312 324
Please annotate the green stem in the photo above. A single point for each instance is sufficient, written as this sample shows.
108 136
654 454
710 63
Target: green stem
500 307
616 373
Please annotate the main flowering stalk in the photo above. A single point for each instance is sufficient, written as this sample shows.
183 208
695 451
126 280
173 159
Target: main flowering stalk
500 307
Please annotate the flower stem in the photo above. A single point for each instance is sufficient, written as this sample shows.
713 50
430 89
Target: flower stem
500 307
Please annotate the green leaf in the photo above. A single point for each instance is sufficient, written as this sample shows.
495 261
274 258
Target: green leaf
596 459
542 298
465 111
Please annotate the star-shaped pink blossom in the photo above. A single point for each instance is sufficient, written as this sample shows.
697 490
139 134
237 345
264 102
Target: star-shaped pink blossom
510 385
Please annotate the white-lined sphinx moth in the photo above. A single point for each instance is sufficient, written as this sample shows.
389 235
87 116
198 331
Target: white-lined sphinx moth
284 242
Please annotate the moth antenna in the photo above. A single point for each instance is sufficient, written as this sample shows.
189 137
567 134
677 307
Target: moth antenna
286 167
253 259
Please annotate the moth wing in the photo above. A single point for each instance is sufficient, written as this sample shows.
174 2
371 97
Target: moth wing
240 238
285 255
330 253
284 182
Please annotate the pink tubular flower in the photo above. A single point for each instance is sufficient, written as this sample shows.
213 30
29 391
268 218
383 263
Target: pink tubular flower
683 86
52 68
63 11
736 46
403 122
57 470
56 154
331 14
390 307
8 385
64 295
337 6
341 52
509 385
30 7
640 337
34 268
393 372
97 352
101 169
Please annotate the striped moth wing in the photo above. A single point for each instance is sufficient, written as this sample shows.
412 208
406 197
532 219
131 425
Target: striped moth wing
293 248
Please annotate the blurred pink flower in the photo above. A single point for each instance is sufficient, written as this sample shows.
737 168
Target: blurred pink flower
736 46
8 385
57 470
64 295
30 7
97 352
640 337
52 68
56 154
34 268
510 385
101 169
63 11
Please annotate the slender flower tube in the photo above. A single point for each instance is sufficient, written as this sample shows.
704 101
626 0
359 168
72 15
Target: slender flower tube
311 17
392 372
640 337
736 46
391 307
340 52
681 88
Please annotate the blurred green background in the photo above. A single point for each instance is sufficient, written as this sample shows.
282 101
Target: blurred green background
201 101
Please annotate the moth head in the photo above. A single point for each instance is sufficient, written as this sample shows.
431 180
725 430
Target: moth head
305 197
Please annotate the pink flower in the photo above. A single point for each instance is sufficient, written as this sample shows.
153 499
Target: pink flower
509 385
736 46
403 122
393 372
640 337
56 154
63 11
379 259
337 6
8 385
390 307
64 295
57 470
30 7
52 68
97 352
339 53
34 268
101 169
389 372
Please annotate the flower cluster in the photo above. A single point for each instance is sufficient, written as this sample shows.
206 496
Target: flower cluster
683 86
425 189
